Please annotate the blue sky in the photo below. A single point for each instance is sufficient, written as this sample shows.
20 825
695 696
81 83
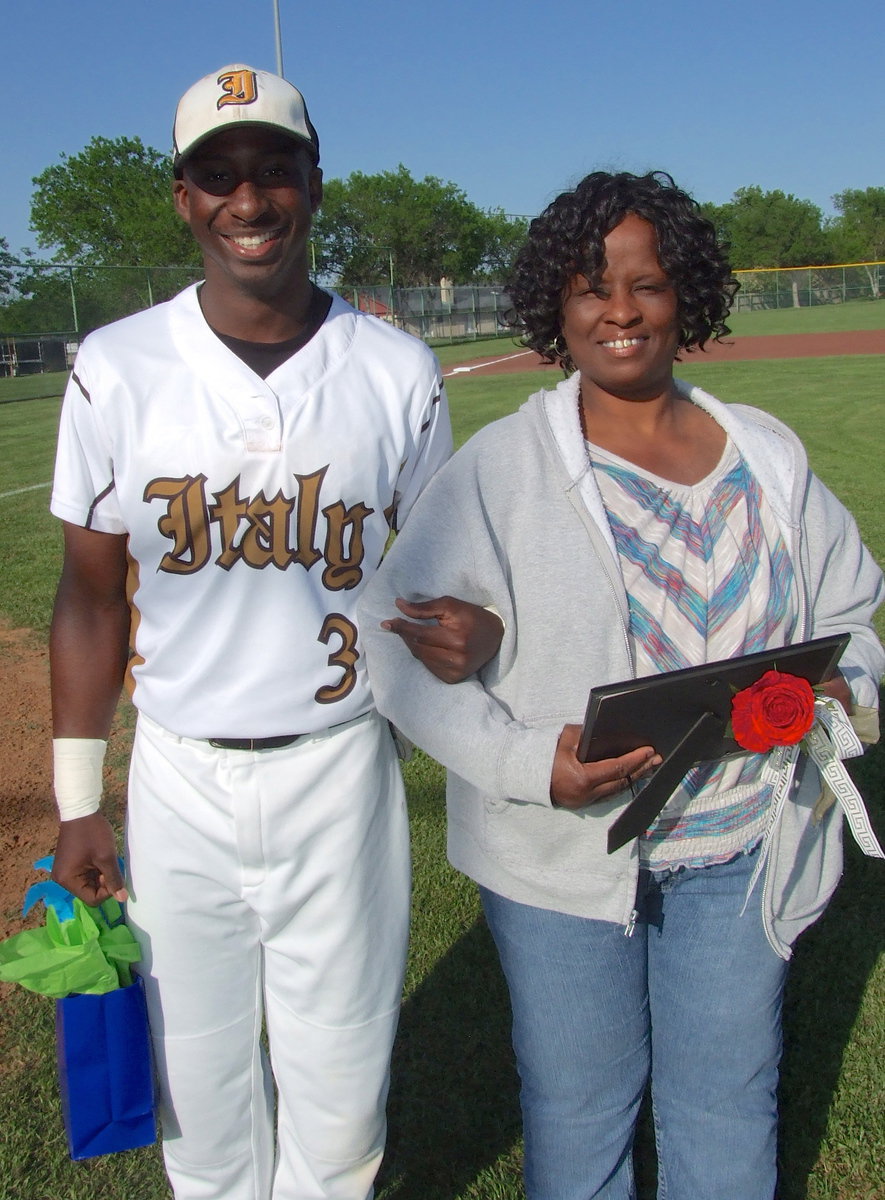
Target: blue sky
513 101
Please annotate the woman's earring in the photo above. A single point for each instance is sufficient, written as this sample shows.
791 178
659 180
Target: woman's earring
558 346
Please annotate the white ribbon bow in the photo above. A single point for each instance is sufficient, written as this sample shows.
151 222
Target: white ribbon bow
830 739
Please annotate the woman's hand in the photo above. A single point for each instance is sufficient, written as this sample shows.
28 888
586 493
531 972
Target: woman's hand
838 689
574 784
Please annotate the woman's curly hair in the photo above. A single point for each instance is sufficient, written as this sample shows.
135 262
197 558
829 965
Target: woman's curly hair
567 240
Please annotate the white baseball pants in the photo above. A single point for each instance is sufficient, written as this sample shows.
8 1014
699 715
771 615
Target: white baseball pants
271 884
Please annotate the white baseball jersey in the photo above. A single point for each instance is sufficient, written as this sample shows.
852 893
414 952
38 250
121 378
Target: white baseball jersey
255 509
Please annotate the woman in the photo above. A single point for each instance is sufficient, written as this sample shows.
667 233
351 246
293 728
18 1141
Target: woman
624 524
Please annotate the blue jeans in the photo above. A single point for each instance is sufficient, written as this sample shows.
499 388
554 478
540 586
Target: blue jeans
692 1000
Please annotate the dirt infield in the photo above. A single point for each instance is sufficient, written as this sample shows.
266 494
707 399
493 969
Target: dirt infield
798 345
27 822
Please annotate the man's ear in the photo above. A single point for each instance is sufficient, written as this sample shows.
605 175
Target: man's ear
180 199
315 188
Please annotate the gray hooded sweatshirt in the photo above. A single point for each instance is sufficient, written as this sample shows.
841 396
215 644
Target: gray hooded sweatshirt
515 520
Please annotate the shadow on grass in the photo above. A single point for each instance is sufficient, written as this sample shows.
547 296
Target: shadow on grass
453 1107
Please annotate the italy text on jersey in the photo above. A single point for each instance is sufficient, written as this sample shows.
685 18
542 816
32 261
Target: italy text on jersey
260 532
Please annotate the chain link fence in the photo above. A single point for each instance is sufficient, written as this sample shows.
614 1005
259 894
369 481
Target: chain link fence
803 287
71 300
447 313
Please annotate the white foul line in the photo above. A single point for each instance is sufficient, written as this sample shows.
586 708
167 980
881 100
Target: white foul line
18 491
491 363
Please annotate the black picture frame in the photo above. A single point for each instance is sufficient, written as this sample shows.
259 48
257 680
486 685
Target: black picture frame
685 715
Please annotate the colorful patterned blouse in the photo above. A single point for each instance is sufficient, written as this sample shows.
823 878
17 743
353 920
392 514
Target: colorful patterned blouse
707 576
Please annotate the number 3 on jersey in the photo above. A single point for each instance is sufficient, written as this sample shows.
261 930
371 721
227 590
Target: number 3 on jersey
345 657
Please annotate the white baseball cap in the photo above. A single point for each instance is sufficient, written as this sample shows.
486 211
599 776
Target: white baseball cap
240 96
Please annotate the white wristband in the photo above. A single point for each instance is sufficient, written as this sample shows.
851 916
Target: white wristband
78 766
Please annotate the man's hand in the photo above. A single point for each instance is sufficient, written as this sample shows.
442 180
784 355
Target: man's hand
574 784
464 638
86 860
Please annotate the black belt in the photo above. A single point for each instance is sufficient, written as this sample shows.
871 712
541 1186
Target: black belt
268 743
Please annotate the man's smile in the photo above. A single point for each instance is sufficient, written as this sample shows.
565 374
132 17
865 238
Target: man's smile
252 241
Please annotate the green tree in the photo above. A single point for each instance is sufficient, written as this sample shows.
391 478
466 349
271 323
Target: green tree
858 233
41 304
56 298
860 226
111 204
770 229
377 227
504 236
8 269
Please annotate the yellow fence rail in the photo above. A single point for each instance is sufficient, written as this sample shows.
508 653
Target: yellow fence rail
801 287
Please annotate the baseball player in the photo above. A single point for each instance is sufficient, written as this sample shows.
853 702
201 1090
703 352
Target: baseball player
229 467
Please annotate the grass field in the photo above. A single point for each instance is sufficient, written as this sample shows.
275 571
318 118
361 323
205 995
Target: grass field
824 318
454 1121
32 387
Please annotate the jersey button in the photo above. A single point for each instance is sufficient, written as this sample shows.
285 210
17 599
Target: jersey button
267 422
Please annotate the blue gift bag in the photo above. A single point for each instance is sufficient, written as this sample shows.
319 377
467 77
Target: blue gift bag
105 1071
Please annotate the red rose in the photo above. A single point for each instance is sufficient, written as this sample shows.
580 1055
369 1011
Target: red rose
777 710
